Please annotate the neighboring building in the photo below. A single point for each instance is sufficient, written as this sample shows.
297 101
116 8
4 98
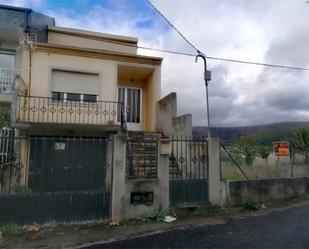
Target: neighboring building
14 24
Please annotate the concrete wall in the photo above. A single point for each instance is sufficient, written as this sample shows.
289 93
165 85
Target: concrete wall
167 121
123 187
264 190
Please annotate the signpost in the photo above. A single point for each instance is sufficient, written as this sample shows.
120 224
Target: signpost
282 149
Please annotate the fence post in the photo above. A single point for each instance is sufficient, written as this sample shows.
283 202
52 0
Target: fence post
214 181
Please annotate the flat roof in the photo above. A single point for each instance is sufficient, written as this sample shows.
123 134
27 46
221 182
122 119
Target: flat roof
92 34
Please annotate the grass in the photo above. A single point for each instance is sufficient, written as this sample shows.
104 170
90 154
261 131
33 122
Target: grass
12 229
235 178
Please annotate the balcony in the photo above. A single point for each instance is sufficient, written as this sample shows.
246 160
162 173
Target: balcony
6 80
45 110
6 85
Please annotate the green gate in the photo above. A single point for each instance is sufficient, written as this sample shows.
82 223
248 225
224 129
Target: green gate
55 179
188 163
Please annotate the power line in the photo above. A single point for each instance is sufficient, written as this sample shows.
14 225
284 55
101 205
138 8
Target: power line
227 59
173 26
211 57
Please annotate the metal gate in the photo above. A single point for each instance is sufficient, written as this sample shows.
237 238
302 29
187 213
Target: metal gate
188 163
59 178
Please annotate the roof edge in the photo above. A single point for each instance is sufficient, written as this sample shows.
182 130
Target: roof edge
93 35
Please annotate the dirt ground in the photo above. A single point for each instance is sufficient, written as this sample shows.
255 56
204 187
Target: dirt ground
77 235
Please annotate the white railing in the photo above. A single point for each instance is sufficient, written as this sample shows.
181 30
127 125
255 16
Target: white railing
6 80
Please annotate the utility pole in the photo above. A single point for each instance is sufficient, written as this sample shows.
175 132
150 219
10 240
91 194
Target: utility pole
207 77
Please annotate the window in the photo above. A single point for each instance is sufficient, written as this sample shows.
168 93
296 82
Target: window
131 98
7 61
73 97
58 96
78 97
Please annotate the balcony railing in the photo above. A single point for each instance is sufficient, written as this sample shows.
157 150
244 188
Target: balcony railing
32 109
6 80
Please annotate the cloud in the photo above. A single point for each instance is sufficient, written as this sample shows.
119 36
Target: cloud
265 31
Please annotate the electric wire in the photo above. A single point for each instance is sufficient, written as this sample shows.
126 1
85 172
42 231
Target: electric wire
212 57
227 59
154 7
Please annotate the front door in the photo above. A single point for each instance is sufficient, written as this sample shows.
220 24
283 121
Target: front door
132 100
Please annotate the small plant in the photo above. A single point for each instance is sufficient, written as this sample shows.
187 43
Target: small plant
306 196
157 216
11 229
251 205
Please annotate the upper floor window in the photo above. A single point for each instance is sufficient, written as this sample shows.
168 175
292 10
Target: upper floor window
61 96
77 86
7 60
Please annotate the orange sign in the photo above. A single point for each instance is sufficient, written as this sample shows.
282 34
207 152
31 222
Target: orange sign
281 148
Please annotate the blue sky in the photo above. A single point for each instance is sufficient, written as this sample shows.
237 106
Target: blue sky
270 31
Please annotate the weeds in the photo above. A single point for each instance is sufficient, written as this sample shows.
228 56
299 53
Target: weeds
251 205
12 229
157 216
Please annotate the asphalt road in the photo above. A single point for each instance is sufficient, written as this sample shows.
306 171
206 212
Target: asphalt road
280 229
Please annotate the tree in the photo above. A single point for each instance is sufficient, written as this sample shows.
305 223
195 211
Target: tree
301 142
245 147
264 151
5 114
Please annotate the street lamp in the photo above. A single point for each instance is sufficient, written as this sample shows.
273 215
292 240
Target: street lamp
207 77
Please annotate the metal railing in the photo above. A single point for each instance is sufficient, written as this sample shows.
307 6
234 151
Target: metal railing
6 80
31 109
189 158
142 155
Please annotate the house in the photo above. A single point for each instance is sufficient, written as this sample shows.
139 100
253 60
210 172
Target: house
87 116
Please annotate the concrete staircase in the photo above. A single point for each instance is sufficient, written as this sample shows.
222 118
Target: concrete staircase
142 154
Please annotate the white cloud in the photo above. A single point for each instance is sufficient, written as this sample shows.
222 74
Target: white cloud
266 31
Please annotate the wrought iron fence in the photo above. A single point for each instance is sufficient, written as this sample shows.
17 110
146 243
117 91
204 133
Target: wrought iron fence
188 158
31 109
142 155
6 80
54 178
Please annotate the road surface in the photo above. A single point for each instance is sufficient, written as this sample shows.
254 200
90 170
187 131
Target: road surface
279 229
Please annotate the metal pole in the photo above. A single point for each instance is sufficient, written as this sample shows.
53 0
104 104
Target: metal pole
207 77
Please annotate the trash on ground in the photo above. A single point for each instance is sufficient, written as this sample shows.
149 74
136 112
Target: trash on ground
169 219
114 223
33 228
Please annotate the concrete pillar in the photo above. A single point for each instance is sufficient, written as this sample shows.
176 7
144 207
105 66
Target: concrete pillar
163 177
119 177
214 181
123 187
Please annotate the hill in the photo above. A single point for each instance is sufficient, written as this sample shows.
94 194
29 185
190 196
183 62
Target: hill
264 133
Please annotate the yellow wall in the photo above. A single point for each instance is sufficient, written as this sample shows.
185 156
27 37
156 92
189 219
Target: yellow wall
42 64
71 40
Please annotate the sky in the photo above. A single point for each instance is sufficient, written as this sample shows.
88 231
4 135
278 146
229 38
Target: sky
268 31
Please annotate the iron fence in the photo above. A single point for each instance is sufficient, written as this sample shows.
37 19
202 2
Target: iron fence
142 155
54 178
188 171
188 158
31 109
